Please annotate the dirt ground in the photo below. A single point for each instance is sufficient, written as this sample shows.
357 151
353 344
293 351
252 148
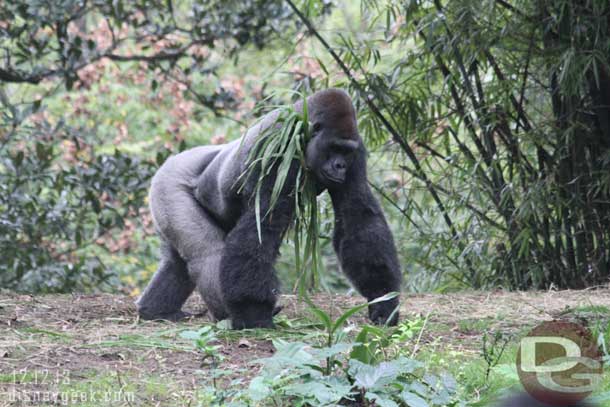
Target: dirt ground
75 339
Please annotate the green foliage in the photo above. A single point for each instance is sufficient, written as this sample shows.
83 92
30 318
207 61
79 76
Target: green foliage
336 372
332 328
342 371
277 147
493 348
486 101
203 339
52 210
276 150
51 40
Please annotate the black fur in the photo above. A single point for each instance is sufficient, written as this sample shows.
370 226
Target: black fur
210 233
363 241
248 280
168 290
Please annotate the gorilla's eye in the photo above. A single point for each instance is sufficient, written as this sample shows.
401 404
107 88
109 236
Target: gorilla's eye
317 127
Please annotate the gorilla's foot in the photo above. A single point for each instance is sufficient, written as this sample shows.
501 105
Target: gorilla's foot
167 316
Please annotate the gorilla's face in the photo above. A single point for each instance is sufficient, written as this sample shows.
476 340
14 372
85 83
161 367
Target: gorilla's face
335 139
329 155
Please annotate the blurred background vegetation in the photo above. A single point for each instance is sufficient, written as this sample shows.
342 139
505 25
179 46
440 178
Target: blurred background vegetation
487 121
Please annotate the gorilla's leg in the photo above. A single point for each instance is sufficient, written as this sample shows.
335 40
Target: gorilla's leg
206 273
193 233
168 289
247 278
201 241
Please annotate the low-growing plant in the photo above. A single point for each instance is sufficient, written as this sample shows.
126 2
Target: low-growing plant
493 348
294 375
375 344
337 371
333 333
203 340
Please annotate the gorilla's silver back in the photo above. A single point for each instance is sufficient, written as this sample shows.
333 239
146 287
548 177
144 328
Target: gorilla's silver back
201 178
218 185
194 201
171 192
186 225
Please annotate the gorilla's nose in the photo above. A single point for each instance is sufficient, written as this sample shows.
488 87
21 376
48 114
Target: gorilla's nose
339 165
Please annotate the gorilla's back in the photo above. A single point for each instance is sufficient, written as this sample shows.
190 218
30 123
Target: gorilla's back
217 189
207 176
219 183
173 184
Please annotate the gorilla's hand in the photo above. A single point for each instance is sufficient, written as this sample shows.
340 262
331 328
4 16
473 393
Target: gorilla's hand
381 311
252 315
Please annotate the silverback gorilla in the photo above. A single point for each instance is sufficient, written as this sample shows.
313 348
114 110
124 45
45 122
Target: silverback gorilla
209 232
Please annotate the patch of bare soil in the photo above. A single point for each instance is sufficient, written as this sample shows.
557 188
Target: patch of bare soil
83 337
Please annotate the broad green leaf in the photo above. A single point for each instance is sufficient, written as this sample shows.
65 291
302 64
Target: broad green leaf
381 401
258 390
413 400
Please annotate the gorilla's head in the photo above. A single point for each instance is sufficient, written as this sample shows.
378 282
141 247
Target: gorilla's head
335 139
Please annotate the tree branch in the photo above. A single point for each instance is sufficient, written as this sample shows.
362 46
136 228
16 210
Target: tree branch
371 105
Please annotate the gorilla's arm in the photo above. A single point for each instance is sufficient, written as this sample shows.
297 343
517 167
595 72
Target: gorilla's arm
363 241
247 277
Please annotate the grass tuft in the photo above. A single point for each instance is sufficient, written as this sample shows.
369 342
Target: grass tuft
275 150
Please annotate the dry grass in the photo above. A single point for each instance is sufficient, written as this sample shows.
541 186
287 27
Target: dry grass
93 336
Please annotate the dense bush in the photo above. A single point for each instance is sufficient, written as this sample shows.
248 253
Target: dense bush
502 112
488 123
73 187
58 196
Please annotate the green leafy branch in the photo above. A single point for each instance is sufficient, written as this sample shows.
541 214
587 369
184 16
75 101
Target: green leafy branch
275 150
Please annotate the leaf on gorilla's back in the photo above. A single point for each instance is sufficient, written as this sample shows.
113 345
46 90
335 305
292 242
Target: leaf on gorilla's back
257 209
284 167
276 148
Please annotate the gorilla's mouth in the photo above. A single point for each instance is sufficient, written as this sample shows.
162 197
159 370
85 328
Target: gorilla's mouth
333 178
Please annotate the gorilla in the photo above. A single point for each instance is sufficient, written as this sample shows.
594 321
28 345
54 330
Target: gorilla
207 222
